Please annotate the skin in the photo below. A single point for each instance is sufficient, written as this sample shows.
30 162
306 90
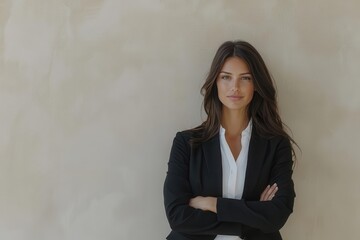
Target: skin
235 91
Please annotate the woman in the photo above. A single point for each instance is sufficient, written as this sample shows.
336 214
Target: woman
231 177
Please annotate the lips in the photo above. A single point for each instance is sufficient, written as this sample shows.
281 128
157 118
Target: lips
234 97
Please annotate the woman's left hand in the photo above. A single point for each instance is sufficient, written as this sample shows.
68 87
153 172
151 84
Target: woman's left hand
204 203
269 193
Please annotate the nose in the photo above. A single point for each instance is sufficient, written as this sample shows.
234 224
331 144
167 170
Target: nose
235 85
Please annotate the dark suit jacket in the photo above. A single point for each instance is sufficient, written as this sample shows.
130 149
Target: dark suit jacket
198 172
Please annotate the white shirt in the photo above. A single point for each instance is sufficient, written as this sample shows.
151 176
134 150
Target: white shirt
234 171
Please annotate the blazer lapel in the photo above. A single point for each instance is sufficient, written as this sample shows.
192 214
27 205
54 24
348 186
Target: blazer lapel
256 156
212 155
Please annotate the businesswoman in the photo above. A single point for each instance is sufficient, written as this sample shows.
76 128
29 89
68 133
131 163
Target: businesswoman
231 177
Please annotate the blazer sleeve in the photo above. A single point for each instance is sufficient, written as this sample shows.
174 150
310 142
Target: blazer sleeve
268 216
177 193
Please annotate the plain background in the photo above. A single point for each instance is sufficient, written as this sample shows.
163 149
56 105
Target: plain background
92 93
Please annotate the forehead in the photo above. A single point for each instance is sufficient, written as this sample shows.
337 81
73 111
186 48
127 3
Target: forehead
235 65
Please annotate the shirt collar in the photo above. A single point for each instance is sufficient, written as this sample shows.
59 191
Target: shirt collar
245 132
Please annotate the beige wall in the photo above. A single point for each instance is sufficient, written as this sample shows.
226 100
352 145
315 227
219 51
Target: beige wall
93 91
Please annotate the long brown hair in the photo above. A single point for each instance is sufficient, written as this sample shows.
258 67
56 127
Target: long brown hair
263 109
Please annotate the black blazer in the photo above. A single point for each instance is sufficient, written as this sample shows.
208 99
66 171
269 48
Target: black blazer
198 172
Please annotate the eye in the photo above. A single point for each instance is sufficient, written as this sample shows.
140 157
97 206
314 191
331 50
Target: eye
225 77
247 78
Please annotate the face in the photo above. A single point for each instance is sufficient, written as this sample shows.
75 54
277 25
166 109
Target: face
235 85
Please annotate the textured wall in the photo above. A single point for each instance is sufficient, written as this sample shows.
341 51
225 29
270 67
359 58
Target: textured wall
93 91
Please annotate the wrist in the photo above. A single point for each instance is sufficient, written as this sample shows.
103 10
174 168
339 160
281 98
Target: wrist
213 202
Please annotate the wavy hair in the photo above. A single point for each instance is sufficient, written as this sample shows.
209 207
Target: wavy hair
263 108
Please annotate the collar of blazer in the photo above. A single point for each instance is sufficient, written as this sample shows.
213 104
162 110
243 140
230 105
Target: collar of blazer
256 156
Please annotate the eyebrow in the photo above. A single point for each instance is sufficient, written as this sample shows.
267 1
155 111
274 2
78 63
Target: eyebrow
239 74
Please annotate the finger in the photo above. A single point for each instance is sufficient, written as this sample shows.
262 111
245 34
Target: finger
264 192
262 197
271 192
270 197
275 190
268 192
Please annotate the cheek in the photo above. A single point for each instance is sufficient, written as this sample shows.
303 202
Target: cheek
251 89
251 92
221 86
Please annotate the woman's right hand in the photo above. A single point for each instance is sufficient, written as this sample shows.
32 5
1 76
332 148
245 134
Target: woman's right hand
269 192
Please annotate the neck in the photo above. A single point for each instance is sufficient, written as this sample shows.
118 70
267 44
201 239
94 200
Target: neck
234 121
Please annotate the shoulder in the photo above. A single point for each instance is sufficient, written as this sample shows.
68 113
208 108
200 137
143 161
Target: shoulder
280 140
184 137
188 134
181 146
275 142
